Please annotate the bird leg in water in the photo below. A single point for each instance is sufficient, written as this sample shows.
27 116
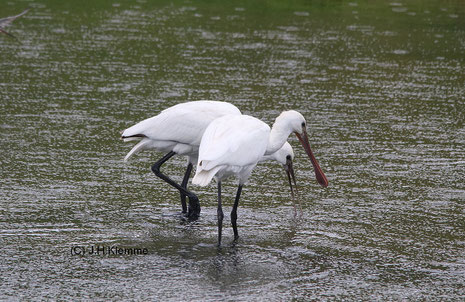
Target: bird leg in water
194 205
219 214
185 180
234 212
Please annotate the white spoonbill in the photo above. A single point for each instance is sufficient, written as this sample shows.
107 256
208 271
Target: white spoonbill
233 145
178 130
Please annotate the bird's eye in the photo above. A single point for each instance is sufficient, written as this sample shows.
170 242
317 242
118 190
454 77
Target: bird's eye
288 157
303 124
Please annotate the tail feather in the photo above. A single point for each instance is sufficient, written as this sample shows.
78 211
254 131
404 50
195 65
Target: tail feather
204 177
137 148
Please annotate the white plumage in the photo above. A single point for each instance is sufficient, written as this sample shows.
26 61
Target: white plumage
233 145
282 155
224 145
178 130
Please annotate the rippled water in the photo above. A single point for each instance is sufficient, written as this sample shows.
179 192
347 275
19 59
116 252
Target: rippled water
382 87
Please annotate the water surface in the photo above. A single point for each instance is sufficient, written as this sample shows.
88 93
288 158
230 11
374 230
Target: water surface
382 88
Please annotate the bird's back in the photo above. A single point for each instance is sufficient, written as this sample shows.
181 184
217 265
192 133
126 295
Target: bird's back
183 123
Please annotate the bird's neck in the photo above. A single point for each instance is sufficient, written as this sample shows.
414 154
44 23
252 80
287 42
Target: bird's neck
278 136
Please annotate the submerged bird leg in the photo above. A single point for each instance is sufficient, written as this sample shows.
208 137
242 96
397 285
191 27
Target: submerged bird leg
194 205
185 180
219 214
234 212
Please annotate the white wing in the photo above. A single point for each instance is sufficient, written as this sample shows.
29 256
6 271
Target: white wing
238 140
183 123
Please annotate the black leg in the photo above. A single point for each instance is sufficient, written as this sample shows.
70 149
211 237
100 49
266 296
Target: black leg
219 214
194 204
185 180
234 212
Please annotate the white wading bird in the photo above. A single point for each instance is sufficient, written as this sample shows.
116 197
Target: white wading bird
6 21
233 145
178 130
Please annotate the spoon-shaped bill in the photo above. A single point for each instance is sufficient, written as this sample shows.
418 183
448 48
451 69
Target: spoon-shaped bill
320 176
290 175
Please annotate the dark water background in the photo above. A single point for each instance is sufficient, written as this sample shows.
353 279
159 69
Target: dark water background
382 87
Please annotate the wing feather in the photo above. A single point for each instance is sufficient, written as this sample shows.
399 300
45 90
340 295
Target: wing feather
233 140
184 123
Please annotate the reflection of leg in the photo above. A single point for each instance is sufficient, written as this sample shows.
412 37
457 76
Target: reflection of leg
185 180
219 214
193 200
234 212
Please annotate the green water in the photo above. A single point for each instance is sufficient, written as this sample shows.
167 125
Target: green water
380 83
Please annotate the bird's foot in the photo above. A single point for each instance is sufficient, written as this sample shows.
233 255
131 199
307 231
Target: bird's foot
193 211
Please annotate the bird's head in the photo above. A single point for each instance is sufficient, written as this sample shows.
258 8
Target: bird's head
296 123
